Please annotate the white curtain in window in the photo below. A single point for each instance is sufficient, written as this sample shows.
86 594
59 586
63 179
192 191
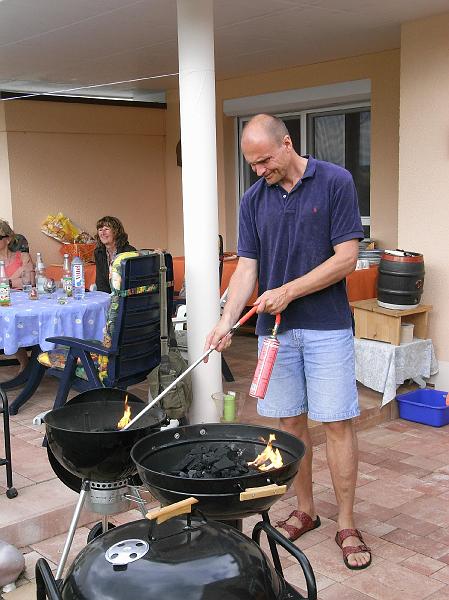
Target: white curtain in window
365 139
330 139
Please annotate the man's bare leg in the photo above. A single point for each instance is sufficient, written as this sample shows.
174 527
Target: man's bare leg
297 426
342 458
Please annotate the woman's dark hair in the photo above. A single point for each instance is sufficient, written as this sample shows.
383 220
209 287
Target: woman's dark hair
120 235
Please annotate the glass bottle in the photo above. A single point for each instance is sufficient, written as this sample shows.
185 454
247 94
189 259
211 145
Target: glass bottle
67 276
40 274
5 290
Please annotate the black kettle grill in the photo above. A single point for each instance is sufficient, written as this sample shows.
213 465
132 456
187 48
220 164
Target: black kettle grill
185 557
91 456
225 498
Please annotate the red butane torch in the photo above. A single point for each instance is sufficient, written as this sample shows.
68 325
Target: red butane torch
265 364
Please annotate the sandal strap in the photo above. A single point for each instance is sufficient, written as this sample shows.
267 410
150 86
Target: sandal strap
292 531
345 533
305 520
347 550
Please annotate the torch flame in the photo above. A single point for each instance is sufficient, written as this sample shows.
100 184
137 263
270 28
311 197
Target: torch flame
268 459
126 415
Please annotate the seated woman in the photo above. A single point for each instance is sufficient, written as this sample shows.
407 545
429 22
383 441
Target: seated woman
16 264
111 240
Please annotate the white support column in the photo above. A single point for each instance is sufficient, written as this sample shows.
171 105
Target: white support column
200 199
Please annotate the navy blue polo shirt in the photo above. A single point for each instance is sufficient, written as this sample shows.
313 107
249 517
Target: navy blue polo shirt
289 234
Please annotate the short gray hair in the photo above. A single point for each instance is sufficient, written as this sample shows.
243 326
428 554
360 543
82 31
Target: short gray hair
274 127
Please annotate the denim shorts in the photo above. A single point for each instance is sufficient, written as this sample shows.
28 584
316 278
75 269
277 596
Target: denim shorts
314 373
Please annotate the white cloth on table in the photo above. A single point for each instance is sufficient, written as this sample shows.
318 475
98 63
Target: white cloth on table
383 367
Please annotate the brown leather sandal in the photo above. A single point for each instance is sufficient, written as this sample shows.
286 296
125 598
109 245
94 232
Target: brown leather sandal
340 537
307 524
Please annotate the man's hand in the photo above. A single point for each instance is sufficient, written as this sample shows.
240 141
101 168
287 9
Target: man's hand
273 301
218 337
241 286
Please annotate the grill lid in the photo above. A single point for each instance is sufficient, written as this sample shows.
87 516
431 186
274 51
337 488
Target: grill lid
203 560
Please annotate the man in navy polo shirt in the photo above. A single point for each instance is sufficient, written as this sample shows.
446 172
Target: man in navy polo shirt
298 236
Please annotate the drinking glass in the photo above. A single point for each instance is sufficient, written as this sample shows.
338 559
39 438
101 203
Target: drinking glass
49 286
27 281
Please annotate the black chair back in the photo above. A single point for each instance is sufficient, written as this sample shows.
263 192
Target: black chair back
136 333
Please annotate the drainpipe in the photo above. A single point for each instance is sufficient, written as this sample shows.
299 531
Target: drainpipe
200 196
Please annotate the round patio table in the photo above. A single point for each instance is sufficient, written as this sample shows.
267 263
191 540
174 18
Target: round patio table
27 323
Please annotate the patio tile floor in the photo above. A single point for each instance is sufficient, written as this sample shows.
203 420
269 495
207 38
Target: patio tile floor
401 501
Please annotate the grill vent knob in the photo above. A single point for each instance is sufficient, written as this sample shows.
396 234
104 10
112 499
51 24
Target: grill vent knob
126 552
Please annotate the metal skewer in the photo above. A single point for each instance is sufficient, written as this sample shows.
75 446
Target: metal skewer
187 371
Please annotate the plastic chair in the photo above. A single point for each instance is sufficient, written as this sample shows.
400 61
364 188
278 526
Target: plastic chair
134 348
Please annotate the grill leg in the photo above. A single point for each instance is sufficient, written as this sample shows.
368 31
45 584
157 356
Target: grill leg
273 546
104 523
72 529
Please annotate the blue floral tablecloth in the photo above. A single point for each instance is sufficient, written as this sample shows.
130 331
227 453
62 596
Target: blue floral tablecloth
29 322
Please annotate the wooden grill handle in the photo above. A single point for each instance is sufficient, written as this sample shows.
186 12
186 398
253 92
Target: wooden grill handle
172 510
263 492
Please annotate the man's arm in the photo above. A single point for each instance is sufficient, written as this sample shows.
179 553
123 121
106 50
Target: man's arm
241 286
334 269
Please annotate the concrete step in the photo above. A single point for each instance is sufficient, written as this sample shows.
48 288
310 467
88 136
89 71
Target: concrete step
40 511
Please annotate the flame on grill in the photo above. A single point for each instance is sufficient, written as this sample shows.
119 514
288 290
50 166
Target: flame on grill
269 459
126 415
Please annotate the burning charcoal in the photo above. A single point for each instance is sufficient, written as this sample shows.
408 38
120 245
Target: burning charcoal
223 463
221 451
185 462
213 461
209 458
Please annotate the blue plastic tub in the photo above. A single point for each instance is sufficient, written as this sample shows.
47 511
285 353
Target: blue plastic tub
424 406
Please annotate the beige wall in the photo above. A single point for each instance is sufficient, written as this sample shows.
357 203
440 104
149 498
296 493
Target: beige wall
381 68
5 184
86 161
424 163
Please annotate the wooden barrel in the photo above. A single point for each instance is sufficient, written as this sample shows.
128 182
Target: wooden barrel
401 279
